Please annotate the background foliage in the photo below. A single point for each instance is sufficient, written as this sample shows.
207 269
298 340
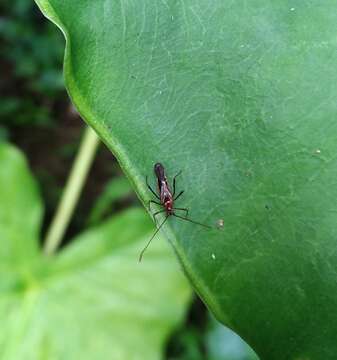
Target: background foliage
76 305
31 58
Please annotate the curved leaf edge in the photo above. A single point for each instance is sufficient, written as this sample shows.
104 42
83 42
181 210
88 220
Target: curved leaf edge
125 163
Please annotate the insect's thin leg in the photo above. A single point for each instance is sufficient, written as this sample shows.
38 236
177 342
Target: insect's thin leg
181 192
150 188
192 221
148 243
155 214
174 183
153 202
182 209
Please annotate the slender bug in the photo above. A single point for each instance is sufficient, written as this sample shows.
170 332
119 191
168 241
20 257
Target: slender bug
166 199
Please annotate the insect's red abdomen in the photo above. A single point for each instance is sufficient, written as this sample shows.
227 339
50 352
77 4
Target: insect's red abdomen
168 204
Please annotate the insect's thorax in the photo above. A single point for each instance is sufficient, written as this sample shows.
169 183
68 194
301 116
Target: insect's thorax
165 195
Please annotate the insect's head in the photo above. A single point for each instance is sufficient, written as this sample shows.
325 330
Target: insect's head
159 170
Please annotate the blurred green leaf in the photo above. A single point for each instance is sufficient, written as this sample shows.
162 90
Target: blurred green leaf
20 210
116 189
93 300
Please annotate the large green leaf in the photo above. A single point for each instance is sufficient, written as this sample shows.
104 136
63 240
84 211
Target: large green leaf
94 300
242 97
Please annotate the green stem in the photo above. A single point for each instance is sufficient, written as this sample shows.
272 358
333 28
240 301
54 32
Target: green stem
72 191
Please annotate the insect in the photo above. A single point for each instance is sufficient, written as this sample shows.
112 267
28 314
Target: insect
166 199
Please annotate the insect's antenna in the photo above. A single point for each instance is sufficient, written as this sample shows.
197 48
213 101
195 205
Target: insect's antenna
192 221
155 233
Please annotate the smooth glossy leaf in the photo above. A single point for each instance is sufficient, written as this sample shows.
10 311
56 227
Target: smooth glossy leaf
241 96
92 301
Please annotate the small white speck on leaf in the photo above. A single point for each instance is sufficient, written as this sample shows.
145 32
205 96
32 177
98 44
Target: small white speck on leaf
292 9
318 151
220 223
213 256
